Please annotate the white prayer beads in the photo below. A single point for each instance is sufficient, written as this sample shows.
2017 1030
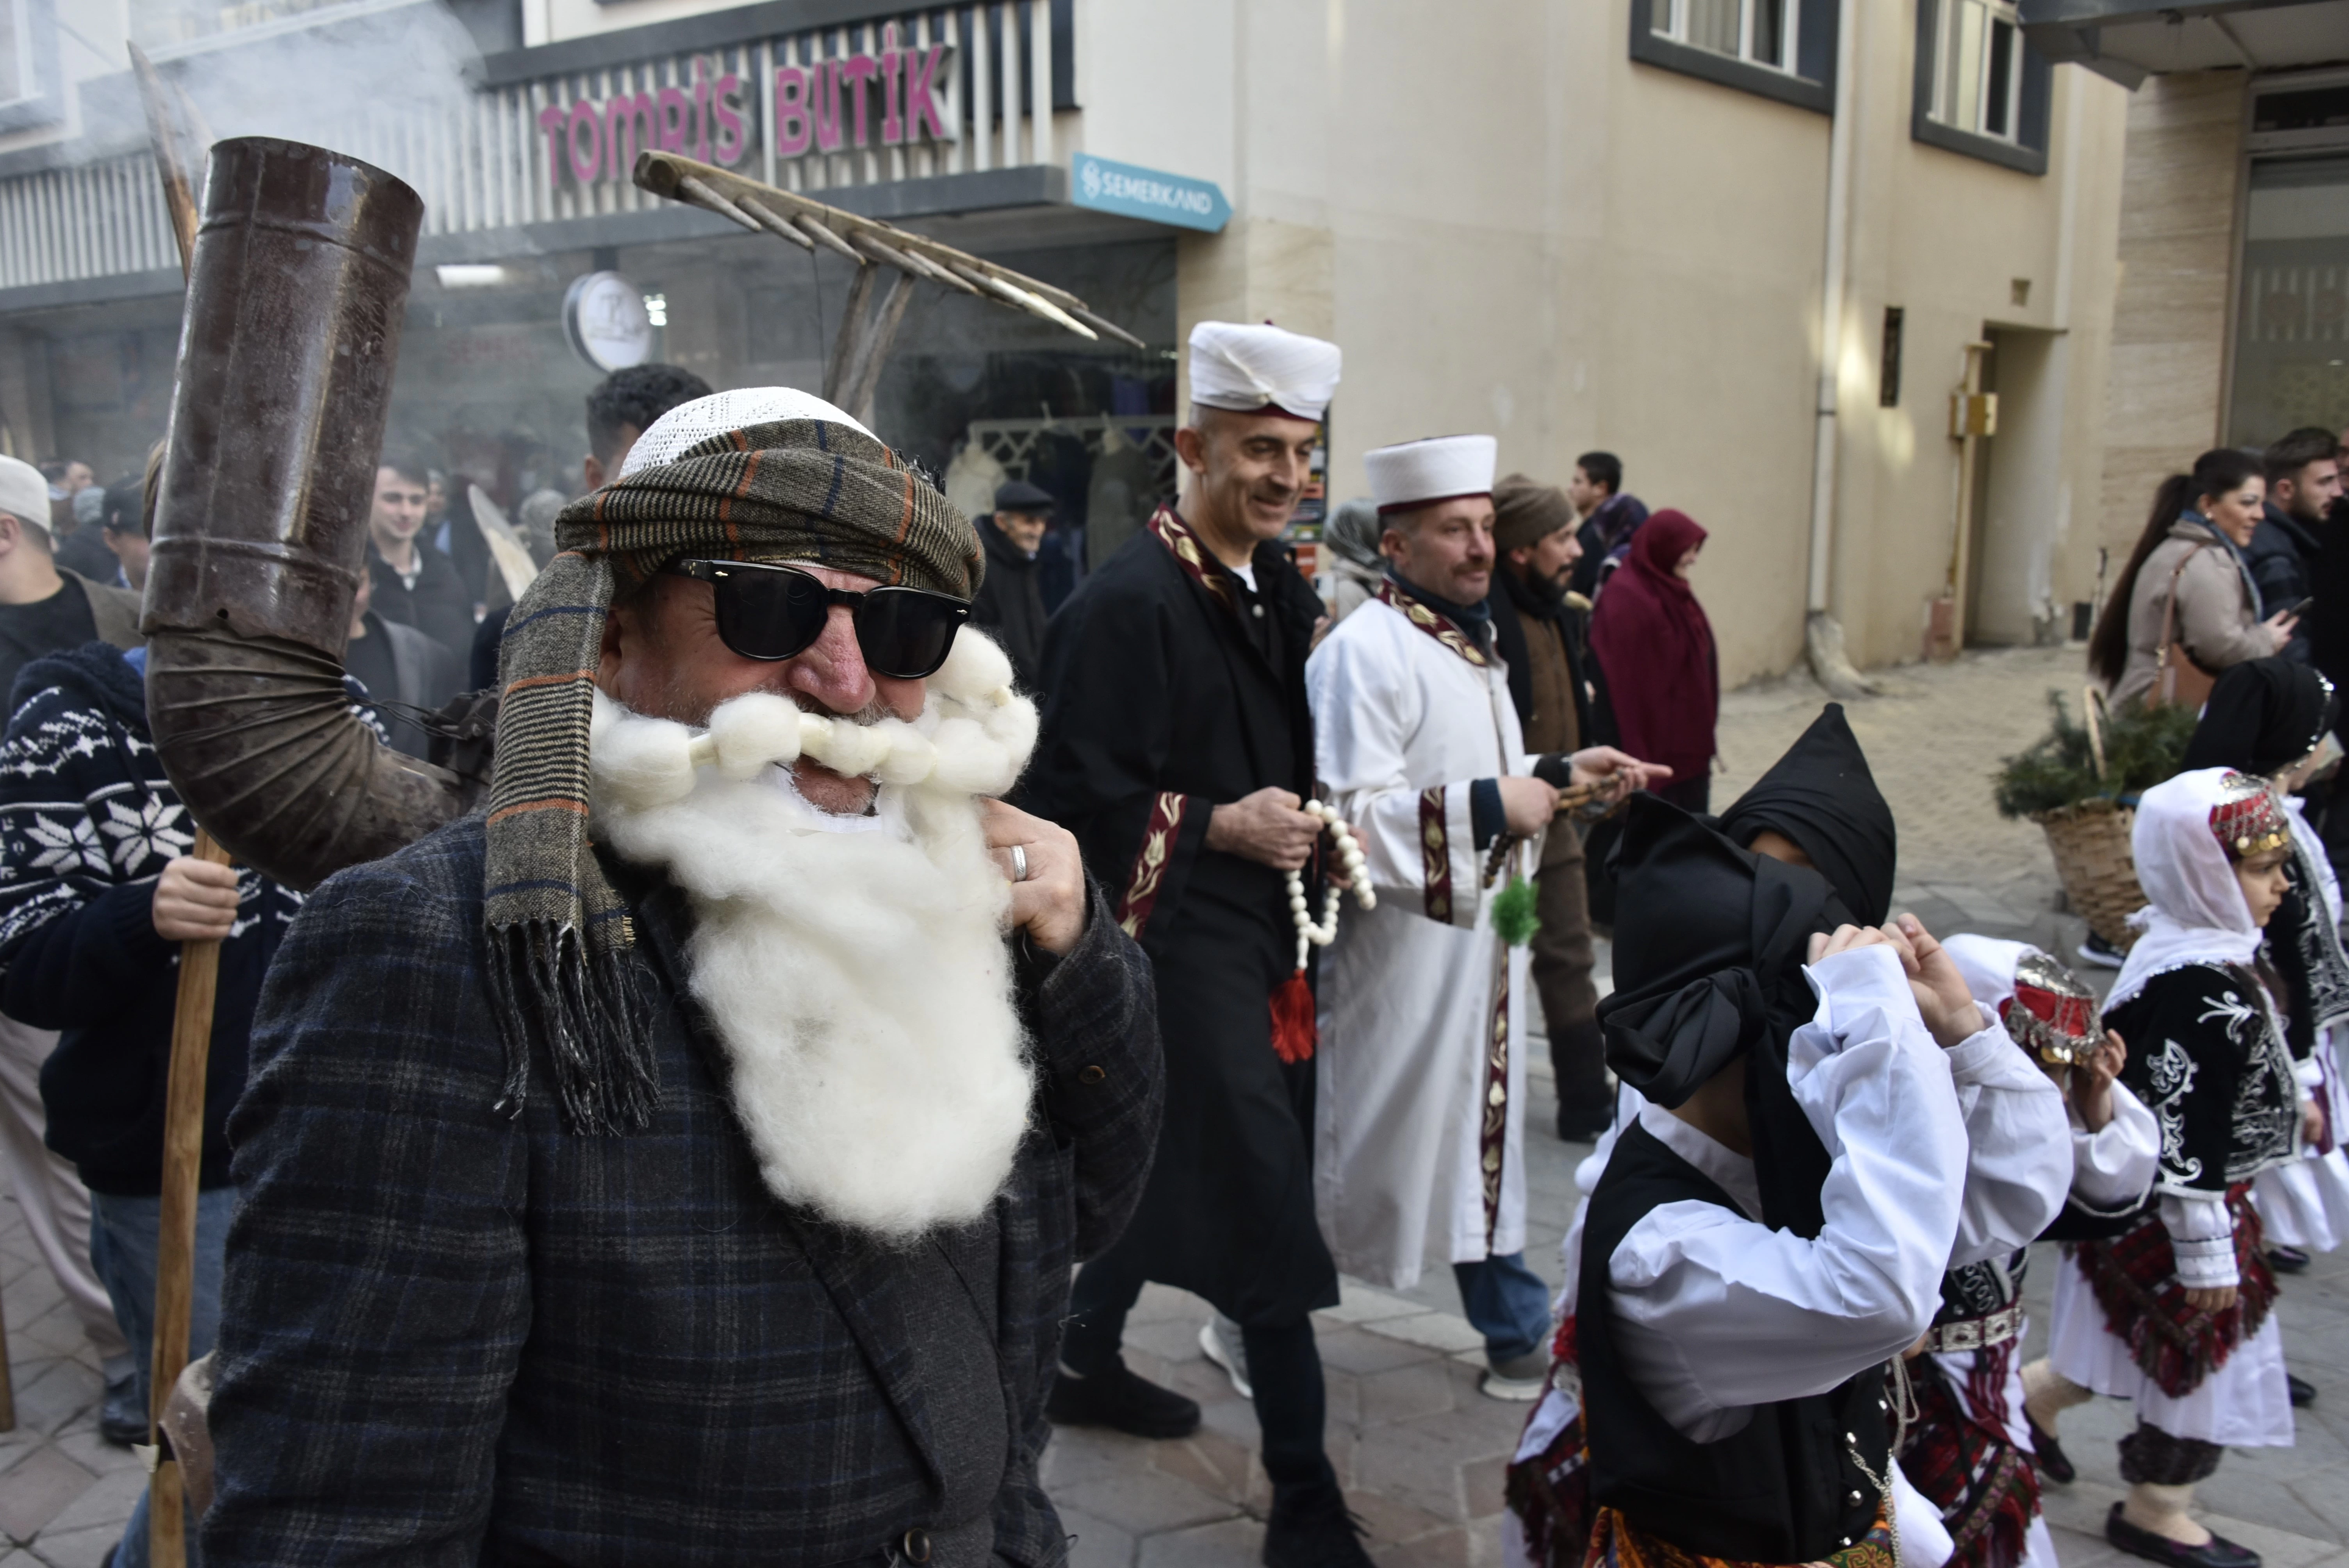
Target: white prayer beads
1350 861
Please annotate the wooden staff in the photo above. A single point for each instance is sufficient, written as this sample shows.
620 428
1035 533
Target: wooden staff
175 1250
191 1022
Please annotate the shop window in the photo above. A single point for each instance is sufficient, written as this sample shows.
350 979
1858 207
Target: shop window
29 93
1783 49
17 78
2291 324
1981 89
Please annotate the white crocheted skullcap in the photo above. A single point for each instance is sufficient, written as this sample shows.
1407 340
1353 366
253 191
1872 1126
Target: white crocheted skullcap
688 424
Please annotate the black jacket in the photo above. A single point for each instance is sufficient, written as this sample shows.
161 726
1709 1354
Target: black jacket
86 822
451 1337
439 605
1010 604
2282 557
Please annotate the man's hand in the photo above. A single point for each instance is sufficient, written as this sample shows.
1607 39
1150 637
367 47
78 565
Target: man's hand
2092 1080
2217 1299
1266 827
1051 903
1942 998
2280 627
1845 939
1528 804
1620 773
195 900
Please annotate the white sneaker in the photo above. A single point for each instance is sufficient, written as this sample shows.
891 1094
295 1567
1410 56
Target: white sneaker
1220 1342
1520 1381
1518 1390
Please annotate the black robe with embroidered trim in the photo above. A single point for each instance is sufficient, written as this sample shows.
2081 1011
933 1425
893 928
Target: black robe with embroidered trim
1162 700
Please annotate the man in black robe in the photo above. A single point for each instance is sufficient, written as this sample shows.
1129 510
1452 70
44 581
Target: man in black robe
1178 747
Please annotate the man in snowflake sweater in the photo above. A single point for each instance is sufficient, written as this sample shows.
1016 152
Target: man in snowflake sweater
96 893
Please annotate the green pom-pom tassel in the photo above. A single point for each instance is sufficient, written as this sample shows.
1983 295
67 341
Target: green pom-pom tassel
1513 913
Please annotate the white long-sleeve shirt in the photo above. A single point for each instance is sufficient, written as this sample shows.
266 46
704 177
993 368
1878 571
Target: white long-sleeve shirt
1716 1312
2112 1168
2018 1149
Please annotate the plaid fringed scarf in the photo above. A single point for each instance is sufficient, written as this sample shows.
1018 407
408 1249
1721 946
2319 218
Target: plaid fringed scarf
560 973
1987 1492
2135 1279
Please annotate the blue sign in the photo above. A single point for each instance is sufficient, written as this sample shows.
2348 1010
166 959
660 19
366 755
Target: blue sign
1161 198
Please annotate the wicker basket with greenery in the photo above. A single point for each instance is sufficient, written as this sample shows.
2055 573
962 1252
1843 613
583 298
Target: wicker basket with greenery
2080 783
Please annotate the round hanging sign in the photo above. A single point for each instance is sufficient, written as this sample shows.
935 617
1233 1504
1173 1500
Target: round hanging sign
604 316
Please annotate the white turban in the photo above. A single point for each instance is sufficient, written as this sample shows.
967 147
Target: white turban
1420 473
1249 369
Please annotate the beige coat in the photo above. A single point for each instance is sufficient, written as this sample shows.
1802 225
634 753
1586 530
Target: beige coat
2217 620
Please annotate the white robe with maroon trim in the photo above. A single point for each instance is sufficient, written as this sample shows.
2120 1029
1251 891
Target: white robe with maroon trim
1421 1093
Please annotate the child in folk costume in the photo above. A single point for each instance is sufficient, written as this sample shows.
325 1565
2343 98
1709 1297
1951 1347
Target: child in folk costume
1968 1450
2175 1313
2267 718
1818 809
1771 1231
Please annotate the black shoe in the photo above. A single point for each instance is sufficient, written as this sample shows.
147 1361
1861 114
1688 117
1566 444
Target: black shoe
2303 1392
1114 1398
1311 1527
2287 1260
2216 1553
121 1421
2048 1455
2095 950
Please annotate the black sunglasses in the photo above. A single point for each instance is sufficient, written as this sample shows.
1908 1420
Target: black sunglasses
769 612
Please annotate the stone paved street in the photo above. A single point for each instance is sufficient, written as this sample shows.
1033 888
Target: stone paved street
1419 1449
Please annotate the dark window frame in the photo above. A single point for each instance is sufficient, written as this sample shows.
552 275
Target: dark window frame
2027 154
1811 87
48 105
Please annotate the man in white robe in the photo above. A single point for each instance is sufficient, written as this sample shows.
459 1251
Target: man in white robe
1421 1092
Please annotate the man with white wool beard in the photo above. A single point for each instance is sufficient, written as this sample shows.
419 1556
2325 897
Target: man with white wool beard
683 1160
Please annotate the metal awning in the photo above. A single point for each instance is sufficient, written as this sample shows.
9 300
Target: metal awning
2130 40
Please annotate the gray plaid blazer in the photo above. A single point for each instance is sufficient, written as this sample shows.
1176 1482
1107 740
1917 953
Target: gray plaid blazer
448 1337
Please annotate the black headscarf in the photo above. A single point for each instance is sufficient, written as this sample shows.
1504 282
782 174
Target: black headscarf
1821 796
1709 943
2263 716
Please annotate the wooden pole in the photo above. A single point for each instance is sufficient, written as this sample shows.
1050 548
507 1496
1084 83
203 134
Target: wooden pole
191 1022
175 1238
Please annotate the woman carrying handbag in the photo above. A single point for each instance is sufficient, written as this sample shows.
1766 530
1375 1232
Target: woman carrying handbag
2185 608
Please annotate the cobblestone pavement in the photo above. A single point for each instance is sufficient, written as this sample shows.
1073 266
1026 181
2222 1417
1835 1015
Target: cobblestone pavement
1419 1449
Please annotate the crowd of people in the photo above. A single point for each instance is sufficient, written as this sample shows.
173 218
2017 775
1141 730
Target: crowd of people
673 1161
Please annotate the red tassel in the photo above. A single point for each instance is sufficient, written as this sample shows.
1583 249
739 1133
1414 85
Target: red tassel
1292 1019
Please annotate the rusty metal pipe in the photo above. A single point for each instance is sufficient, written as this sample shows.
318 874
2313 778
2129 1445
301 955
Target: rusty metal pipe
286 354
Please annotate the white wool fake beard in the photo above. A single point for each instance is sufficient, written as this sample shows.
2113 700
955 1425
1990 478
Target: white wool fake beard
860 984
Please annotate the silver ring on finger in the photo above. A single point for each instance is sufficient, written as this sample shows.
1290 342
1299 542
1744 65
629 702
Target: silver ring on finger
1018 862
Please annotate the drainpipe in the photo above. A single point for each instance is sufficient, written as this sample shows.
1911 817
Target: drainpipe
1822 634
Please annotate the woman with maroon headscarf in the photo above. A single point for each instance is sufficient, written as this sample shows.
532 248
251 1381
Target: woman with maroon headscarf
1655 650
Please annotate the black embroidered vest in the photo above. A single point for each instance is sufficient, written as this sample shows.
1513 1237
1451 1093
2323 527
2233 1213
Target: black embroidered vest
1784 1489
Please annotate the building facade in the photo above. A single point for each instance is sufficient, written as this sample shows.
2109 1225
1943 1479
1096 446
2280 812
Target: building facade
1618 226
